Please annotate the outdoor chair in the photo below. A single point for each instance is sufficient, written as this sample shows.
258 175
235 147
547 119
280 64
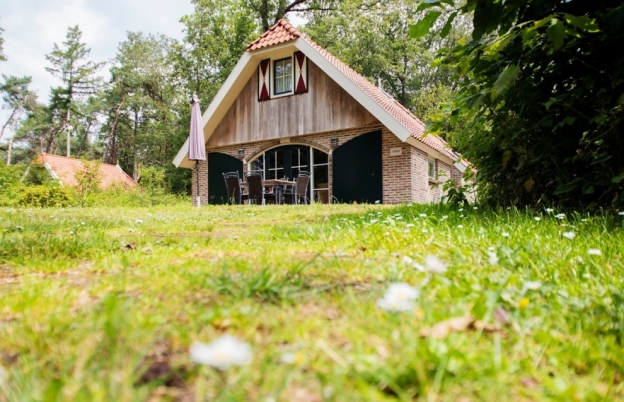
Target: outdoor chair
297 194
234 190
255 188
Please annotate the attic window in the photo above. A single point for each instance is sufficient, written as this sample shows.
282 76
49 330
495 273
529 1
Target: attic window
283 76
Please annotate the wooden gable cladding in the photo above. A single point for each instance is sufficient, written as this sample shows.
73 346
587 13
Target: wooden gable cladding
264 77
324 107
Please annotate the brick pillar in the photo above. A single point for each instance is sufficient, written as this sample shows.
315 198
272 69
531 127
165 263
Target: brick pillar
203 183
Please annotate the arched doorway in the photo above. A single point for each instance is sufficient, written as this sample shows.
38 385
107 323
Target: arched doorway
289 160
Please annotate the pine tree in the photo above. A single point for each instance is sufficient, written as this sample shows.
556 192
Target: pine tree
78 77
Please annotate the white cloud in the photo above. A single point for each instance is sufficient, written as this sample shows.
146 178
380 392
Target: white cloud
32 27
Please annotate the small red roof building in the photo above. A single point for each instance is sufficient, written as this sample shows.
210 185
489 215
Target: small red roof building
63 169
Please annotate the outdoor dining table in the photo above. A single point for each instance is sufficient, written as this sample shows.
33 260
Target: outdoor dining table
277 185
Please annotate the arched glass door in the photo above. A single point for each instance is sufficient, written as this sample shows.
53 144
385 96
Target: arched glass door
288 160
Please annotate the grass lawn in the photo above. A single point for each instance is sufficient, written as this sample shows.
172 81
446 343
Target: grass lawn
104 304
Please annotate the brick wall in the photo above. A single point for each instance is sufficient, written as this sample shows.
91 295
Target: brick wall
405 176
396 170
203 183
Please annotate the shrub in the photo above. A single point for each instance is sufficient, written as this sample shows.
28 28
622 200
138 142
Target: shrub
37 175
46 196
11 175
89 179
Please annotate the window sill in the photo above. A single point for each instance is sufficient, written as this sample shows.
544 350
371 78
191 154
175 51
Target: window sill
277 96
434 181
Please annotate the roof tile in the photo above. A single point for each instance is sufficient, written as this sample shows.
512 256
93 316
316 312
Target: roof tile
65 169
281 32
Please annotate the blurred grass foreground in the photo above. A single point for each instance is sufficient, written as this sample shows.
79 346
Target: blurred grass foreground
309 303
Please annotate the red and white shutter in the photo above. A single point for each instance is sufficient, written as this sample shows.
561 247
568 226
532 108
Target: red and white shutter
263 80
301 73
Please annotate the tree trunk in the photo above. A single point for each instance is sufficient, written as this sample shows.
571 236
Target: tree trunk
110 156
9 120
135 167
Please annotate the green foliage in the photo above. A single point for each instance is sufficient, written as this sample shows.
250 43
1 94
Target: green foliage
69 63
2 55
10 183
89 180
372 38
153 179
43 196
135 197
264 285
538 112
422 27
11 175
37 175
455 194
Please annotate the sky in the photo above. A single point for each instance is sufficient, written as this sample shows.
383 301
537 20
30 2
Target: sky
31 27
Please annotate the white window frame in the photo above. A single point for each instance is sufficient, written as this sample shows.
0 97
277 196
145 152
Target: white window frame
312 164
431 166
273 77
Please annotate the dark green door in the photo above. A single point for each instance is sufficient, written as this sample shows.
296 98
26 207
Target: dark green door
357 169
218 164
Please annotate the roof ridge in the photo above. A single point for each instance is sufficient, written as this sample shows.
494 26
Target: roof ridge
75 159
291 33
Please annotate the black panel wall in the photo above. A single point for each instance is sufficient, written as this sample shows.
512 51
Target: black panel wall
357 169
218 164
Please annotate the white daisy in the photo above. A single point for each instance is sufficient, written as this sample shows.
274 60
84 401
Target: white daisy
222 353
532 285
594 251
493 258
434 264
569 235
399 297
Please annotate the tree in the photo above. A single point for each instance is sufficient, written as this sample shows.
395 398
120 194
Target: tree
17 97
541 99
2 55
216 35
32 133
271 11
141 104
372 38
78 78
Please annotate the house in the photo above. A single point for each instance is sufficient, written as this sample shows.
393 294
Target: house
63 169
290 105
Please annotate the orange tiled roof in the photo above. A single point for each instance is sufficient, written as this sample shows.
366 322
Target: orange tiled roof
283 31
278 33
64 168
